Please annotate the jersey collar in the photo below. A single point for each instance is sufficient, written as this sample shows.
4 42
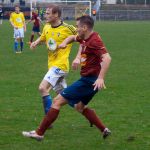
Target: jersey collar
58 25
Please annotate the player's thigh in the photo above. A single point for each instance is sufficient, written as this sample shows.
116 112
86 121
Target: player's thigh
18 33
21 33
79 107
54 75
59 101
45 85
32 32
38 33
61 84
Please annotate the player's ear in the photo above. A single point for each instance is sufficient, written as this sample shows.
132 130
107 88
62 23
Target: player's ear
84 27
56 15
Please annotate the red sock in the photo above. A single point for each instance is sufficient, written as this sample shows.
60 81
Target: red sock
31 39
47 121
93 118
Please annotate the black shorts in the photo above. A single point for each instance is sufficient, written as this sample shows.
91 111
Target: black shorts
36 29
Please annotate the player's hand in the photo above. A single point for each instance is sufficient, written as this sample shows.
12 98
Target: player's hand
75 63
33 45
25 29
15 27
99 84
62 46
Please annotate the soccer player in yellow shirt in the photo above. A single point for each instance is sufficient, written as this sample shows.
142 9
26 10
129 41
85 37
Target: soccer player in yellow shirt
17 21
58 64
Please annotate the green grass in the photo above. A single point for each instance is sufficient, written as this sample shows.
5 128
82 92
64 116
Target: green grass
124 106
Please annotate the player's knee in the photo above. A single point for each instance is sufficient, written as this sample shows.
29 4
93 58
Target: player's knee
56 103
42 89
17 40
59 101
78 108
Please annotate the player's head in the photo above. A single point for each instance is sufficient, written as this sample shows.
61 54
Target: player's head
34 11
17 8
53 13
84 24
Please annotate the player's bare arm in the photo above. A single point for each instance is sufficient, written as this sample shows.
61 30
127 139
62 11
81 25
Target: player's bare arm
28 21
68 40
13 25
35 43
76 61
40 21
24 26
99 83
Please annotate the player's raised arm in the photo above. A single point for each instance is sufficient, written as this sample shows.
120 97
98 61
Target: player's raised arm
30 20
40 21
68 40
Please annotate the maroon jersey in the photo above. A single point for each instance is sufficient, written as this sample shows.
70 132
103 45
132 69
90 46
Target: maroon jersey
36 20
92 50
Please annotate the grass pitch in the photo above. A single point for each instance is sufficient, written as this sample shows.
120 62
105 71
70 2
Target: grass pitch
124 106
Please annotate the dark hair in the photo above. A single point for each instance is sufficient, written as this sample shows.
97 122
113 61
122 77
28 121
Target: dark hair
86 20
55 9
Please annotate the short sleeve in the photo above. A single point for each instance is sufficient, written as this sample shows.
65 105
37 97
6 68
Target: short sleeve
97 44
11 15
23 18
72 29
43 37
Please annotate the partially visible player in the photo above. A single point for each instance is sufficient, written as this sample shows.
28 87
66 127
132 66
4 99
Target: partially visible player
58 61
41 13
17 21
95 61
36 24
1 14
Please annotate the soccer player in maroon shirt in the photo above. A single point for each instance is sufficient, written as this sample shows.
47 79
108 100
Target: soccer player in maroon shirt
36 25
95 61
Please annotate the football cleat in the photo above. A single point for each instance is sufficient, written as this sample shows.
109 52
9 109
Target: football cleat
33 134
106 133
91 124
50 127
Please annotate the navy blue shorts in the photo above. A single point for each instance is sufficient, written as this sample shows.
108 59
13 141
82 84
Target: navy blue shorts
36 29
81 90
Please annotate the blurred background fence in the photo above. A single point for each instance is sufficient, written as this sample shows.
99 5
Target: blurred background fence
116 10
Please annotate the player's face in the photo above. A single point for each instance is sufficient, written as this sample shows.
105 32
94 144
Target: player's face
17 9
80 30
49 16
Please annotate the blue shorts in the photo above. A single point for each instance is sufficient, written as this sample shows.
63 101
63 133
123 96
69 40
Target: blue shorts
81 90
36 29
